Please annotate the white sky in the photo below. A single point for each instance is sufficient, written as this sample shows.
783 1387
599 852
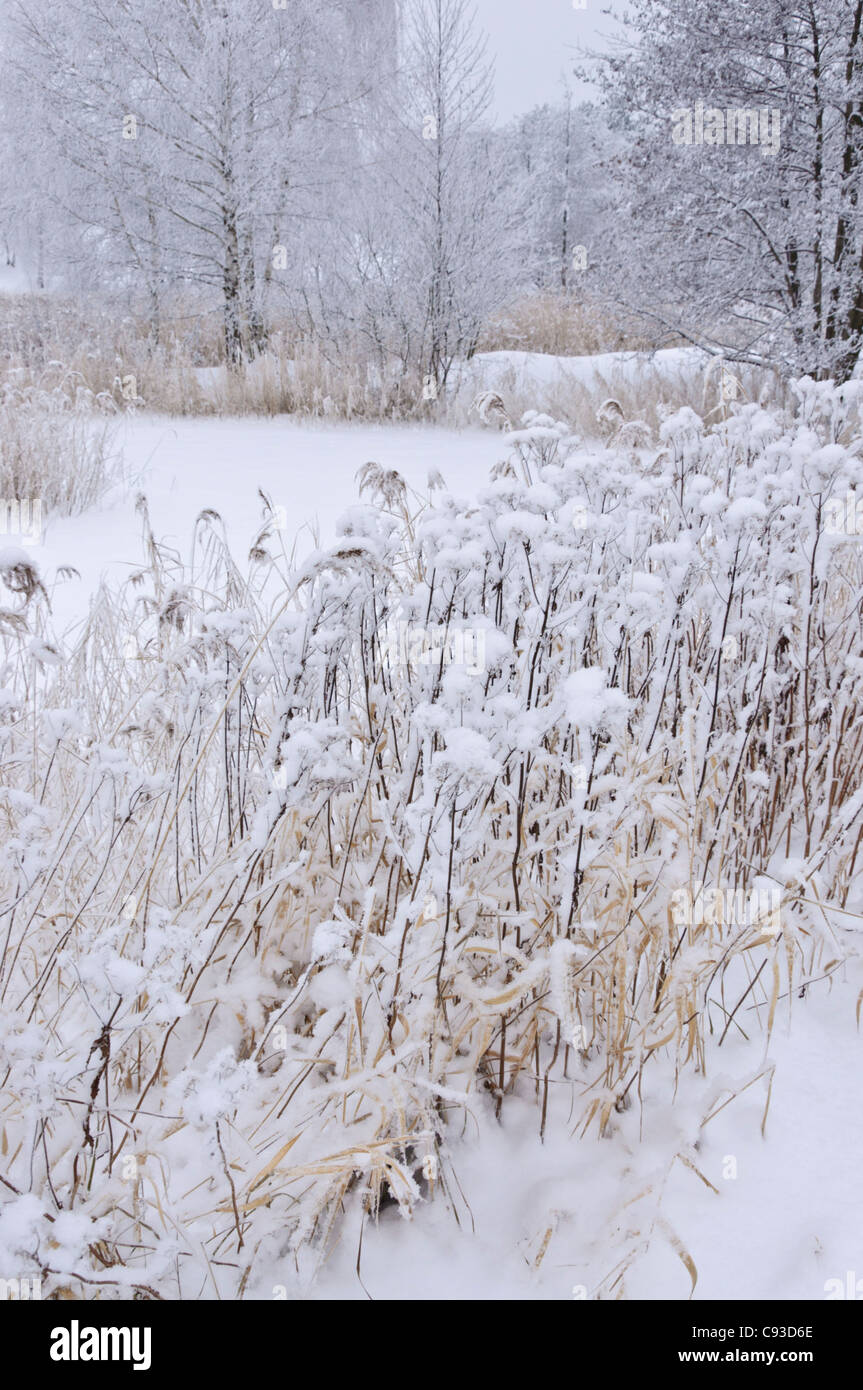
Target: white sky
532 44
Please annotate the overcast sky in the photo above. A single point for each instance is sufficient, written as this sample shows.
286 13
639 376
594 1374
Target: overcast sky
532 43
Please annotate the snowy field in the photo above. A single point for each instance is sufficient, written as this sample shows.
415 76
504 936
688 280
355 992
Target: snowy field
182 466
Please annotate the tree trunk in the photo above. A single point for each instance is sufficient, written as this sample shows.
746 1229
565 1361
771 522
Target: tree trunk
233 320
254 317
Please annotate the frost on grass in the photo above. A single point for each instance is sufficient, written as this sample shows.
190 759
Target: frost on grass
281 909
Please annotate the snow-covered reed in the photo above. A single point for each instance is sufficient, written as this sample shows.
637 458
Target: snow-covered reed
102 357
282 904
564 325
55 446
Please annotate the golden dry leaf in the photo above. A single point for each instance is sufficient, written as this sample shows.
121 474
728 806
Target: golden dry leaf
273 1163
688 1161
546 1240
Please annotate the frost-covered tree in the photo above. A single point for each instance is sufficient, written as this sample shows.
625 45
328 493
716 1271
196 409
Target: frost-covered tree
327 166
182 138
422 249
741 222
453 184
558 151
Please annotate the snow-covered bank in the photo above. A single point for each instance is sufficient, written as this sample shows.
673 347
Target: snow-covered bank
491 369
523 371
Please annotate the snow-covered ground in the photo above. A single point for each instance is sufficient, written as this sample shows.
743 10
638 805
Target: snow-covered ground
561 1219
491 369
16 279
184 465
448 901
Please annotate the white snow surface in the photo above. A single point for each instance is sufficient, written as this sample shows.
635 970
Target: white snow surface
489 369
789 1221
184 465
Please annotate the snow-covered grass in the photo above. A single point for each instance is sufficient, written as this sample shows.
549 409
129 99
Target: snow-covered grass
316 866
53 450
646 385
54 346
561 324
50 343
574 1219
